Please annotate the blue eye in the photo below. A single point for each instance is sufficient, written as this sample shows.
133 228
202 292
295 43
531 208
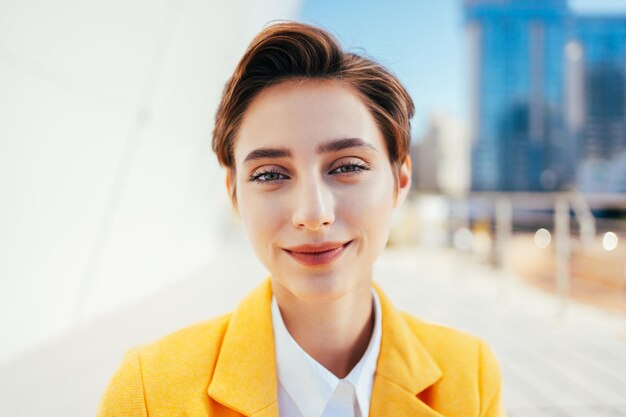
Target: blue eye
350 168
267 177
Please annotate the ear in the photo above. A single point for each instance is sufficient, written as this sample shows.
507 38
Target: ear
230 188
404 182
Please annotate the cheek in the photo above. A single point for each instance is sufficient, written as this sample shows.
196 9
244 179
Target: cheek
369 207
261 216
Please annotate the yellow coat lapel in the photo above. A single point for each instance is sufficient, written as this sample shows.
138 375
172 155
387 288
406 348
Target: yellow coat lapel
245 373
404 369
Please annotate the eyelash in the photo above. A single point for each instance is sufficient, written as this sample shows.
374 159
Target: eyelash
256 177
355 169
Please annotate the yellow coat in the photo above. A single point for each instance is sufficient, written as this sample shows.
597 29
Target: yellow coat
226 367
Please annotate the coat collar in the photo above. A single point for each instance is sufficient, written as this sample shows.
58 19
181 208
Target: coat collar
245 373
405 368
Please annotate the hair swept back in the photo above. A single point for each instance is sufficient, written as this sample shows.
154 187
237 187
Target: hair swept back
289 50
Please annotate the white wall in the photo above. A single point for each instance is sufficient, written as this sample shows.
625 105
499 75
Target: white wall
108 188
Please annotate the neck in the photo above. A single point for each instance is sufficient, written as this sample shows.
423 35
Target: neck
336 332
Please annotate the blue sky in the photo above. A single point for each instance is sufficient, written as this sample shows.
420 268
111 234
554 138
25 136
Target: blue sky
421 41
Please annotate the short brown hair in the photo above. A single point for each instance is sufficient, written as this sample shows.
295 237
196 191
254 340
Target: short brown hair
289 50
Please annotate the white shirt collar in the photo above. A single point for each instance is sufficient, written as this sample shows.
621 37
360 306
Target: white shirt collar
308 384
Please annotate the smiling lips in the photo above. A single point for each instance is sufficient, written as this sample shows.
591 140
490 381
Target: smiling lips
317 254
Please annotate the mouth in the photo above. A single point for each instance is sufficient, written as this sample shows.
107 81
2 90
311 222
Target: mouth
312 255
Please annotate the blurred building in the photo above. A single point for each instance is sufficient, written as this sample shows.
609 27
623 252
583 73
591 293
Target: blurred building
599 43
442 157
547 96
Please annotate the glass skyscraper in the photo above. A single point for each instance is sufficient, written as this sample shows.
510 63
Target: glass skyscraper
540 100
601 131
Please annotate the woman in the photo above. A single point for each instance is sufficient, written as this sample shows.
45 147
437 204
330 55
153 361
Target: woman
315 141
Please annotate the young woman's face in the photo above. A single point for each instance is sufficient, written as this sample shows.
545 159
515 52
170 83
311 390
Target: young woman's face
314 187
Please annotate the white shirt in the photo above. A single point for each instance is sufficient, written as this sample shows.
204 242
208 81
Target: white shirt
307 389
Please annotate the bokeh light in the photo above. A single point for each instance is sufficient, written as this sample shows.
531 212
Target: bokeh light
463 239
543 237
609 241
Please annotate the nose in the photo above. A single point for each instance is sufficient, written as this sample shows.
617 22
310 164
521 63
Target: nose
314 206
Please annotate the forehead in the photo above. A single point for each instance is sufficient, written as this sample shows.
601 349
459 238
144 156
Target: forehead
299 114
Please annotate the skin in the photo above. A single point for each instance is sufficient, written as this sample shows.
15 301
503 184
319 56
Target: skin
307 195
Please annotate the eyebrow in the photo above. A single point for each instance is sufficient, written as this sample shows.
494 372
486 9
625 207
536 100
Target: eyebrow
333 145
264 153
340 144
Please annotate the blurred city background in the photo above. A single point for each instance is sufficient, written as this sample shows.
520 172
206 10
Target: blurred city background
115 226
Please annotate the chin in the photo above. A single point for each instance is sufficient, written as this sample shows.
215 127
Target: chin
317 287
